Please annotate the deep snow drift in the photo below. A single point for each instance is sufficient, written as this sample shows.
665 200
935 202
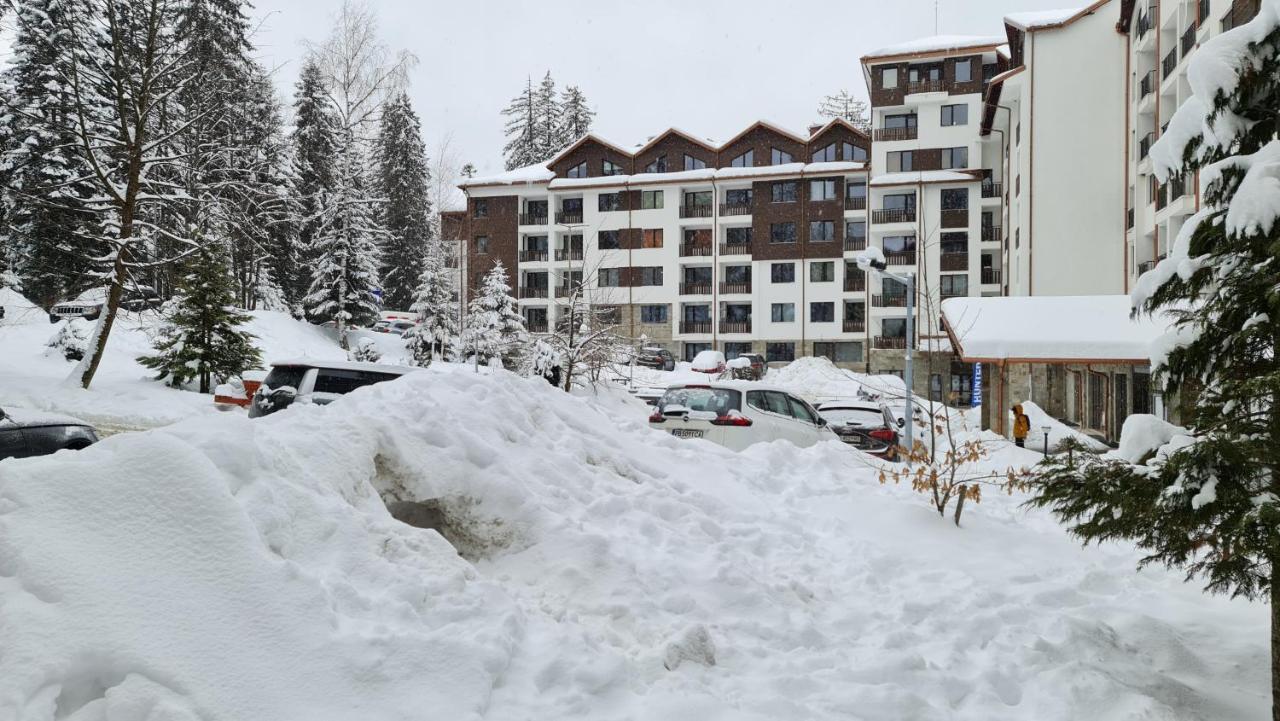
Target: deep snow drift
223 568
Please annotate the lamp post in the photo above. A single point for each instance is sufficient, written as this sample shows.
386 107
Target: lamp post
1046 439
873 259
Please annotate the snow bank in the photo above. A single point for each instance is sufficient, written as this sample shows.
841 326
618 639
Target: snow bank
1058 431
818 378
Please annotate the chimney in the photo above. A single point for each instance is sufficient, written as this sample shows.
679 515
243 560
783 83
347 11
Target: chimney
813 129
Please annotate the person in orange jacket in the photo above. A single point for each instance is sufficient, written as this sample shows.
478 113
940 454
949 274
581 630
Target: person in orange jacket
1021 426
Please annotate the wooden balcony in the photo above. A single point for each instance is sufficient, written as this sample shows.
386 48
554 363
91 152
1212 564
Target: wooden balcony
894 215
993 190
906 257
855 203
855 283
855 243
695 211
695 289
531 219
735 288
991 233
991 276
695 326
955 218
735 249
954 261
854 325
695 250
896 300
908 133
726 209
533 292
882 342
569 218
568 253
533 256
735 326
926 86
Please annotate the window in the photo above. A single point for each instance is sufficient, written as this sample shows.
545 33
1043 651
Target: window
769 401
651 199
956 243
652 238
1017 134
845 352
610 278
659 165
779 353
578 171
481 208
899 243
964 71
822 312
900 201
955 158
824 272
822 230
902 120
854 189
608 167
333 380
782 312
955 115
697 313
653 313
782 233
738 197
954 285
650 275
955 198
889 78
784 192
482 245
737 312
700 199
609 201
855 229
691 351
918 73
609 314
854 152
746 160
825 154
692 163
697 236
900 161
737 274
801 410
782 273
608 240
894 327
536 208
779 157
822 190
738 236
735 349
571 206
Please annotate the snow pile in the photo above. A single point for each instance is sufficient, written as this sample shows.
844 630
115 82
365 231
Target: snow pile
817 378
1142 434
1058 431
223 568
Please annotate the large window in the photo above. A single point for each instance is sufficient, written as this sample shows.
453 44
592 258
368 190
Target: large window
610 278
782 232
481 208
853 152
651 199
888 78
608 240
899 201
779 352
822 312
782 312
784 192
855 189
779 157
607 202
697 236
746 160
651 275
894 327
822 231
824 272
652 238
654 313
738 197
608 167
782 273
899 243
901 120
964 71
900 161
825 154
578 171
844 352
692 163
955 198
955 243
822 189
482 245
953 285
736 348
737 274
738 236
855 229
955 157
918 73
699 199
955 115
657 165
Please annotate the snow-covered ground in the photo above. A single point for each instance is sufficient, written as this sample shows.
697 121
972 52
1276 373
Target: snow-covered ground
223 568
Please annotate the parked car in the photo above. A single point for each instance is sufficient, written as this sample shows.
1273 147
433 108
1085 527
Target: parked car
316 381
709 361
754 370
868 426
656 358
650 396
398 327
88 305
25 433
736 414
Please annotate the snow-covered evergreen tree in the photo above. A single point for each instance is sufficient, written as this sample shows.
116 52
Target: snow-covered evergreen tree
844 105
202 341
405 182
546 111
494 328
314 152
468 170
522 146
575 117
1206 498
435 303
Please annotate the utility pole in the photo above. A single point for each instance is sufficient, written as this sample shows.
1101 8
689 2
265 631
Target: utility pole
869 260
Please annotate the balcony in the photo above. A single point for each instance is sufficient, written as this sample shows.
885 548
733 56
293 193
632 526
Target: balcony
993 190
1147 85
1144 21
893 300
533 256
735 249
894 215
1177 187
1144 145
991 234
726 209
695 250
695 326
991 276
926 86
568 253
527 291
535 326
1188 40
569 217
695 211
1202 13
1128 219
1169 63
955 218
908 133
854 325
735 326
855 283
1145 266
943 294
735 288
1162 196
857 242
887 342
695 289
855 203
903 257
564 291
532 219
954 261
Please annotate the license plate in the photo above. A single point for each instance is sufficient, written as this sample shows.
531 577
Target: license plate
686 433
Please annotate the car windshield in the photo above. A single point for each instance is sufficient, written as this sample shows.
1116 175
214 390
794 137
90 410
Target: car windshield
282 376
715 400
862 417
333 380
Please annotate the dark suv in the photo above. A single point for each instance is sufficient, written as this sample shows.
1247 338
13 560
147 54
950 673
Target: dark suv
656 358
26 433
315 381
754 372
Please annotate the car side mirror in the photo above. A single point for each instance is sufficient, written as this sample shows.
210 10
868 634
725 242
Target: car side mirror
3 415
822 422
902 422
284 393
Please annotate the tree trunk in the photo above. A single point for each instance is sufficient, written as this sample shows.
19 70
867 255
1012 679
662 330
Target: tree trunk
960 504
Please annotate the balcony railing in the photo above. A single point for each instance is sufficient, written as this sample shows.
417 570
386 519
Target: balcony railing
855 283
1177 187
954 261
857 242
1162 196
926 86
1144 21
903 257
1188 39
887 342
735 249
1202 13
695 326
695 289
533 256
533 219
726 209
854 325
855 203
1147 85
1145 266
943 293
893 300
894 215
1144 145
1128 220
564 291
955 218
993 190
735 326
908 133
991 234
535 326
735 288
695 211
568 253
1169 63
533 292
570 217
991 276
688 250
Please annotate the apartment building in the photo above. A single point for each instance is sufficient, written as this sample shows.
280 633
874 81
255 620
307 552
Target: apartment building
740 246
1160 37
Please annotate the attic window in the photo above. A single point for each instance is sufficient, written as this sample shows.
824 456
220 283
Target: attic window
578 171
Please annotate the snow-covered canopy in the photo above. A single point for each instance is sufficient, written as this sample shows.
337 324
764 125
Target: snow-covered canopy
938 43
924 176
1035 20
1094 328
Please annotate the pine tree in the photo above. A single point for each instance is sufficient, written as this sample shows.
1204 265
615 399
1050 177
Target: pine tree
522 129
548 128
202 341
494 328
575 117
1206 499
406 211
844 105
435 303
314 142
468 170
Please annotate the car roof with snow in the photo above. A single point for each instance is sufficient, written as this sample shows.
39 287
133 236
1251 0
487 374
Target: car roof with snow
730 384
343 365
32 418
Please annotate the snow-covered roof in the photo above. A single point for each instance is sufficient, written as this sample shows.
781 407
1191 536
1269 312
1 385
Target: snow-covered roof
1044 19
538 173
938 43
924 176
709 174
704 142
835 166
1048 328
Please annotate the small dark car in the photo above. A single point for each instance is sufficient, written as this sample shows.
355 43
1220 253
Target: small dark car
868 426
316 381
756 371
656 358
26 433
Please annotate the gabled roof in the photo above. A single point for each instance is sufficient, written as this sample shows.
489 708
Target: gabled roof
674 131
838 121
1050 19
767 125
583 140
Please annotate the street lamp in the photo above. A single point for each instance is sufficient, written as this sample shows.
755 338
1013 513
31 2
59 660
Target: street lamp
872 258
1046 439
